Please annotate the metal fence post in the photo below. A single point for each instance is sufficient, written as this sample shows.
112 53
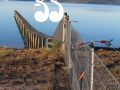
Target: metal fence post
91 65
70 47
64 30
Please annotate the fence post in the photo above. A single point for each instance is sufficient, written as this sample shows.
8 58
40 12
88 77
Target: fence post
42 42
92 65
29 45
70 46
38 42
64 30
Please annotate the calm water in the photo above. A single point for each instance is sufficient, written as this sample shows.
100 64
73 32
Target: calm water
95 21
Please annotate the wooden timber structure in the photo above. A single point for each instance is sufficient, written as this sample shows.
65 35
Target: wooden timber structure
35 39
32 38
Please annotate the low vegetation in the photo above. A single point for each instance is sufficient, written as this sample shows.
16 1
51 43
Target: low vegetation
44 68
32 69
111 58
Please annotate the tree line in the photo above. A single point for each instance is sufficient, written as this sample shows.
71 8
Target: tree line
117 2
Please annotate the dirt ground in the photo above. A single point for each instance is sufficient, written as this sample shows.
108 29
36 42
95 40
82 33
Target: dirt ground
43 69
23 69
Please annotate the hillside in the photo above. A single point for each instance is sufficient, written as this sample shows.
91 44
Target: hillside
117 2
113 2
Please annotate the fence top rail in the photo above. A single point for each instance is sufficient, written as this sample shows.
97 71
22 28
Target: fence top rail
30 28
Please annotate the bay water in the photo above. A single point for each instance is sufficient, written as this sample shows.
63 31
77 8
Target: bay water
95 21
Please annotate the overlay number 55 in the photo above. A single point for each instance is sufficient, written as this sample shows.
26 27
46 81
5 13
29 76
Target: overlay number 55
54 16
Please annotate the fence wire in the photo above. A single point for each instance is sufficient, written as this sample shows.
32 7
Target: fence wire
78 61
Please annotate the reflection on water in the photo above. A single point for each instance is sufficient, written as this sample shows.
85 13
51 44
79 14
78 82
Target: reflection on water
95 21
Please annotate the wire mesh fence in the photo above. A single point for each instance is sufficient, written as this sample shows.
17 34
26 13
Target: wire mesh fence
78 61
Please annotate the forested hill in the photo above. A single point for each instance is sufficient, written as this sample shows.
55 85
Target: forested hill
114 2
91 1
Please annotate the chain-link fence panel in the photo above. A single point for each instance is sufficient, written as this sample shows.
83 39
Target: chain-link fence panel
78 61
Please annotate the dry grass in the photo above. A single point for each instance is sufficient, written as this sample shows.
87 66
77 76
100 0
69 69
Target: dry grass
116 72
30 69
111 59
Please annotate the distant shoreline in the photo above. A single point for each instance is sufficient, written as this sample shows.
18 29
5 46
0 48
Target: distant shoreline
96 48
112 2
106 48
